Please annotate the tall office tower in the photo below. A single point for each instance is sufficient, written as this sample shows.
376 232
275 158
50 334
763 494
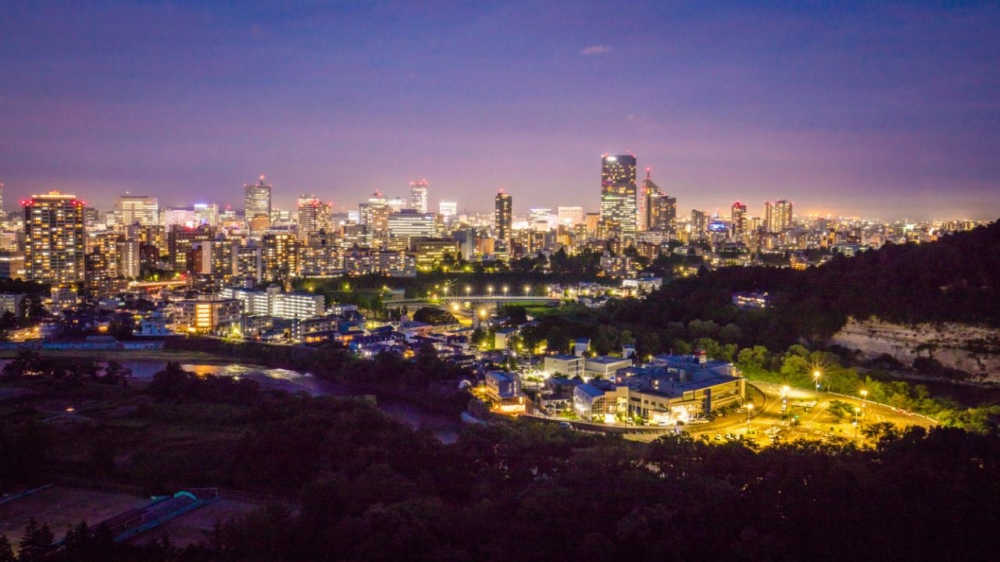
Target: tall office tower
257 205
782 215
448 209
768 217
503 215
54 241
570 216
375 218
142 209
647 191
663 213
418 195
699 221
409 223
618 196
314 216
739 219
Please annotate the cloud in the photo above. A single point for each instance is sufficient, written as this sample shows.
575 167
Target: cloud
594 50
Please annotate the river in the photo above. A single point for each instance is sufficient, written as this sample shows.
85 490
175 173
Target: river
444 427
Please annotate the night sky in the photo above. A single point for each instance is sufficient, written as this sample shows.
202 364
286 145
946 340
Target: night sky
888 110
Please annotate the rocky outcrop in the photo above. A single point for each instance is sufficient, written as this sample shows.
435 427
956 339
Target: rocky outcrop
970 349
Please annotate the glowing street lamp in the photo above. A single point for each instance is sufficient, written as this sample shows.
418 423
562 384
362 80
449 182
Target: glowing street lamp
505 288
816 375
749 411
489 289
527 290
467 290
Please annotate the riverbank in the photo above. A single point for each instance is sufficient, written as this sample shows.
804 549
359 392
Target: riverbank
180 356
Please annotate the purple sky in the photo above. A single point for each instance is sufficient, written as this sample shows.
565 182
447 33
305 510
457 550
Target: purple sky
889 110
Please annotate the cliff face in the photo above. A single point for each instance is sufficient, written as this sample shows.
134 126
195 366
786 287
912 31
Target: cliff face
972 350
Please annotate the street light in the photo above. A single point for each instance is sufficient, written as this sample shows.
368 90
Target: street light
816 375
864 395
467 289
527 290
505 290
489 289
749 411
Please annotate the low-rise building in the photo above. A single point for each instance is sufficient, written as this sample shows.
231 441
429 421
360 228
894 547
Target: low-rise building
501 385
569 365
208 316
604 366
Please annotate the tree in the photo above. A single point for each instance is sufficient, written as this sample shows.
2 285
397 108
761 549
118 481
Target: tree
730 333
37 542
6 551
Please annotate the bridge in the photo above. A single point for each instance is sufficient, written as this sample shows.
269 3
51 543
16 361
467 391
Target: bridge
474 301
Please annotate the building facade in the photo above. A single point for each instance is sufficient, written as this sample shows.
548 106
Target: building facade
619 209
54 245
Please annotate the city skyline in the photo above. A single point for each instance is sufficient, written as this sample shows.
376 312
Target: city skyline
883 111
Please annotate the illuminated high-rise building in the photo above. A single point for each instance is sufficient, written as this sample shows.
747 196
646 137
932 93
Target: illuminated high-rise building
314 216
777 216
647 191
619 209
418 196
662 212
699 222
257 203
782 215
141 209
447 209
54 244
206 213
375 218
570 216
280 256
738 219
503 215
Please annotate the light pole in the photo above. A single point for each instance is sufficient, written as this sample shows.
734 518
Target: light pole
856 412
467 290
505 288
527 290
749 411
816 375
489 289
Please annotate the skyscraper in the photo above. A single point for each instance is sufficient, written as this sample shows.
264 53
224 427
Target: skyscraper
132 209
699 222
648 191
619 210
662 212
777 216
257 204
418 196
739 219
503 215
375 218
314 215
54 239
782 215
